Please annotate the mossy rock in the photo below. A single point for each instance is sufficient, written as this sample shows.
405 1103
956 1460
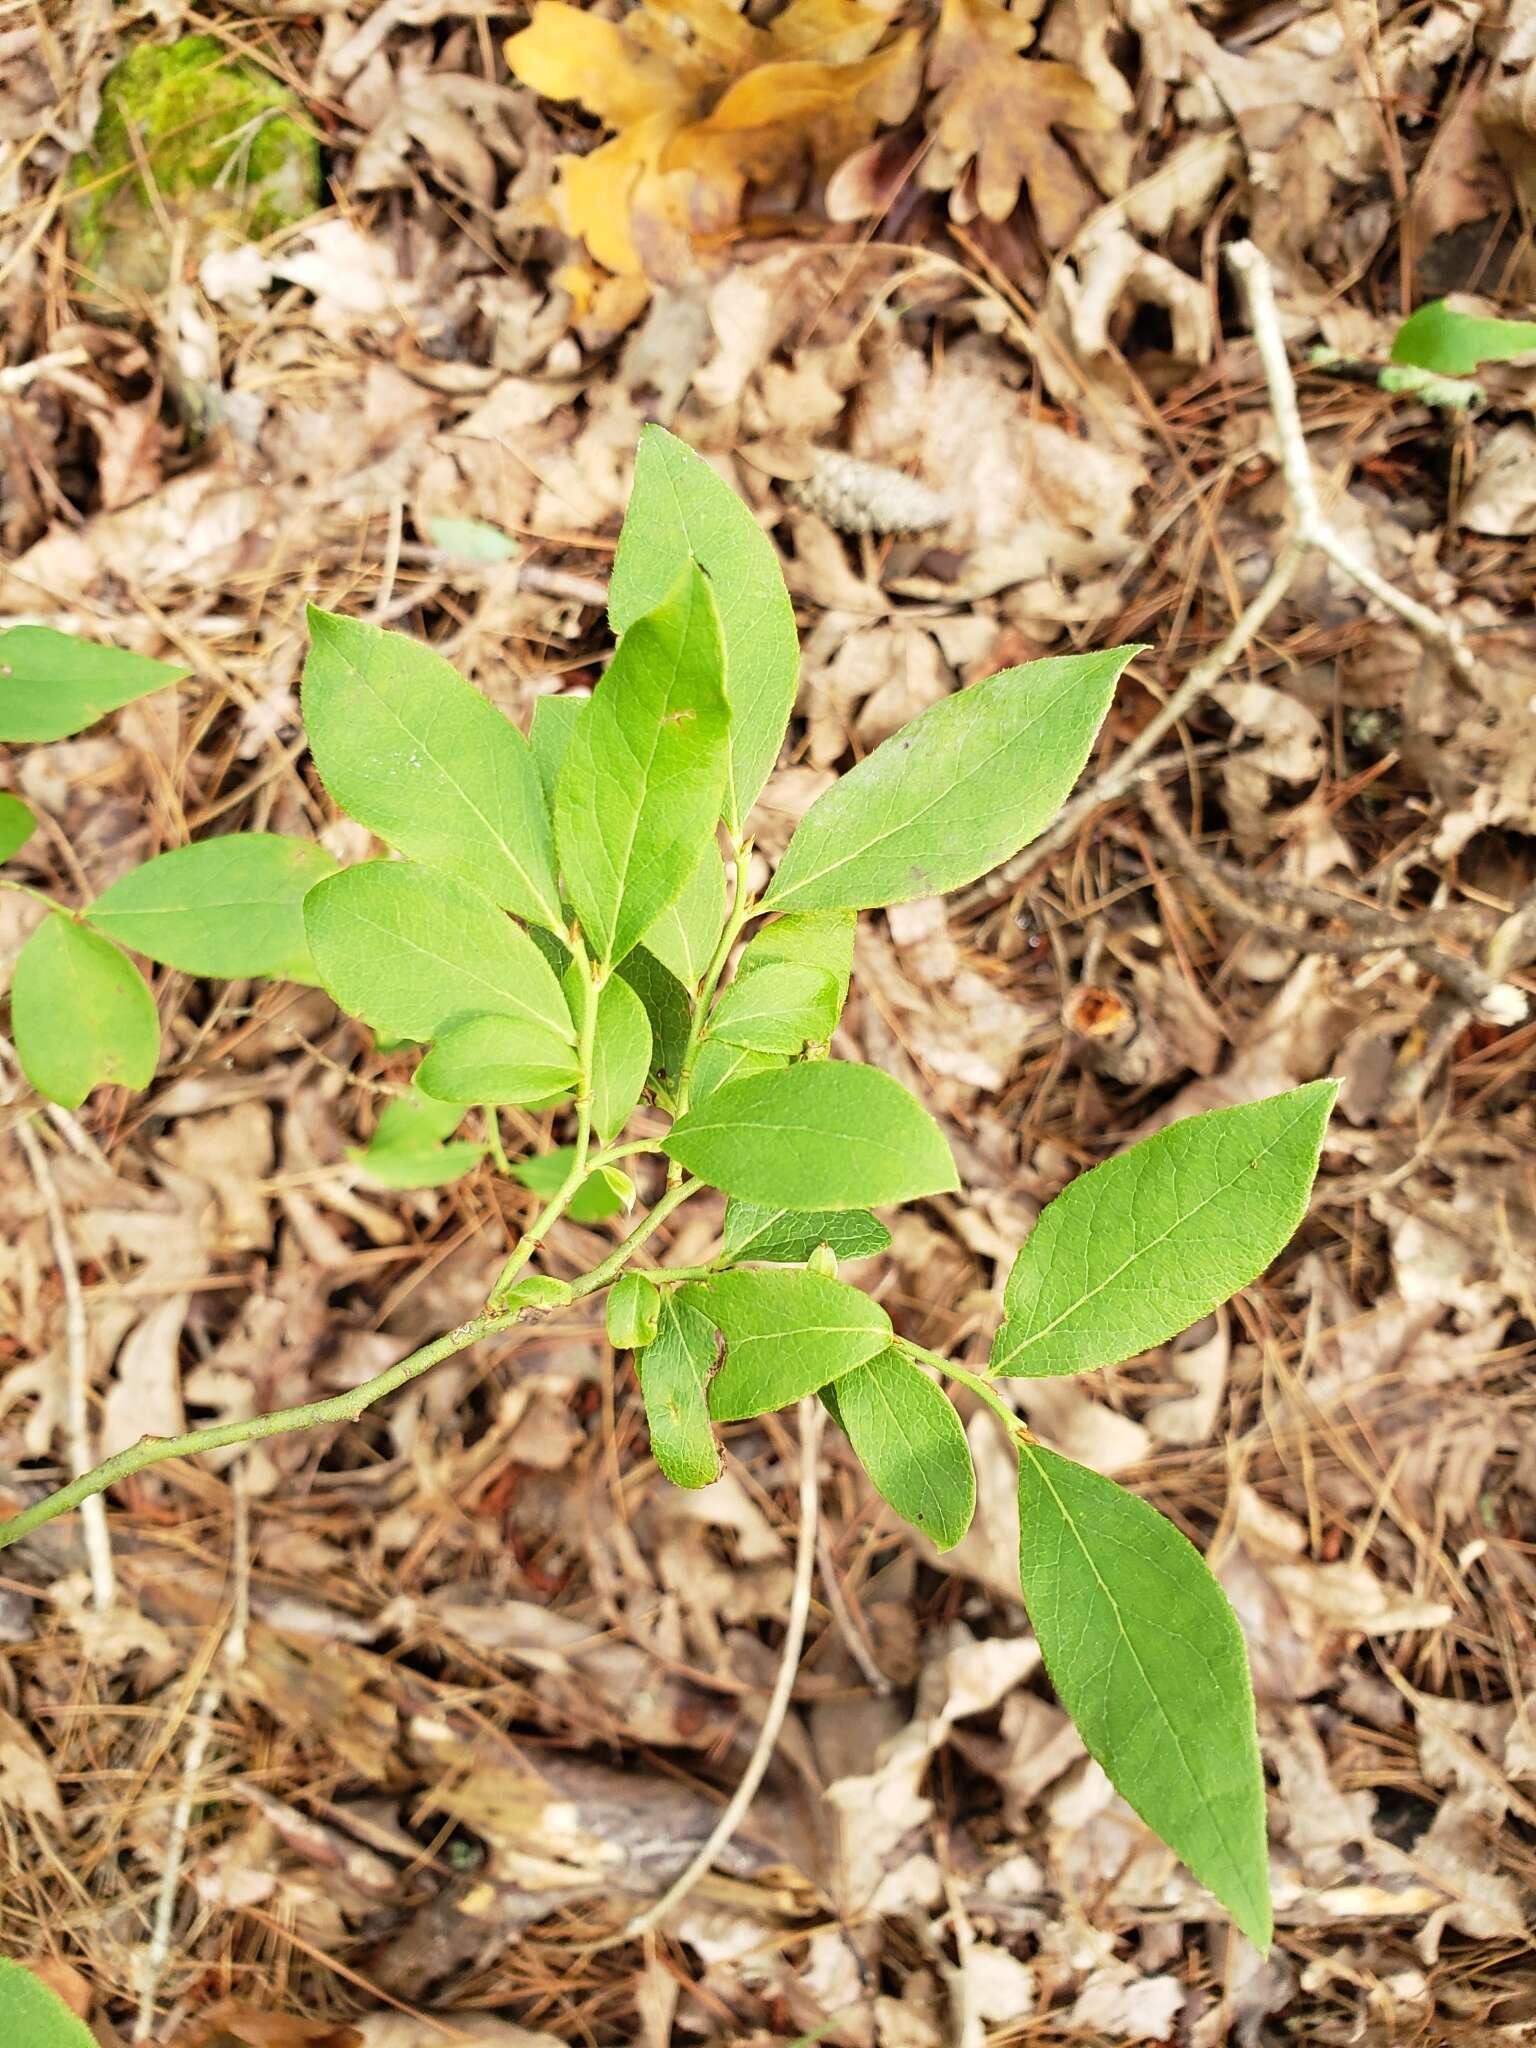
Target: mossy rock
226 148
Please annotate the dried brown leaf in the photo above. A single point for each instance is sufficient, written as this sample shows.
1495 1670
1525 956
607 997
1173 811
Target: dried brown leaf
996 109
26 1782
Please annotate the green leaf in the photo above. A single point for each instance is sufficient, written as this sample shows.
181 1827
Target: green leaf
674 1372
226 907
602 1194
756 1230
1149 1242
406 1149
718 1063
640 787
680 510
961 788
787 1333
413 752
633 1312
621 1056
52 685
554 720
780 1008
806 938
410 951
1454 344
686 934
826 1135
32 2016
497 1059
670 1013
80 1014
1148 1659
911 1443
17 824
471 540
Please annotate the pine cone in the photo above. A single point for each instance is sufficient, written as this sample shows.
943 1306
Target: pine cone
867 497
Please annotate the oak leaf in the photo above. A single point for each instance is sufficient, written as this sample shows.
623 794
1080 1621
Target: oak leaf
709 113
995 110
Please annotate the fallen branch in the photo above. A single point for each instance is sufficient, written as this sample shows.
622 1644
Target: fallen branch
1262 901
1309 531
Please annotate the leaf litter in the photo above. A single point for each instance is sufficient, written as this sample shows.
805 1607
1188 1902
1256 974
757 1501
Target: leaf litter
497 1676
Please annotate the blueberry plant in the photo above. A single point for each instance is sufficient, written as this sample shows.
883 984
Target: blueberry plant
568 921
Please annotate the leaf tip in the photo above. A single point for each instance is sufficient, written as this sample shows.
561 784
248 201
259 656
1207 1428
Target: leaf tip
1319 1097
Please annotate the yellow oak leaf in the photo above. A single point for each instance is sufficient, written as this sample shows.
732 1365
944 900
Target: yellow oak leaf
567 54
828 31
996 109
779 117
710 113
595 196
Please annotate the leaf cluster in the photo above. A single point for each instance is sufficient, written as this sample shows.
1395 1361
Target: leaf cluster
565 921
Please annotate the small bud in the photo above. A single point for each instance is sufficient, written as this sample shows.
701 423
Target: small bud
824 1261
619 1184
538 1291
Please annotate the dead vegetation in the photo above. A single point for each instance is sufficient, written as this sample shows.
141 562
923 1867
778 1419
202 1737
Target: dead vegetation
440 1702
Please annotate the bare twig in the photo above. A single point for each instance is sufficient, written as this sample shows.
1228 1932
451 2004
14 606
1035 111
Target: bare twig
1260 901
22 374
98 1544
545 579
735 1811
1309 530
231 1655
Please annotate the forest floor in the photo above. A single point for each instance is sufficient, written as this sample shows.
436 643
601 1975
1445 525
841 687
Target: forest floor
448 1694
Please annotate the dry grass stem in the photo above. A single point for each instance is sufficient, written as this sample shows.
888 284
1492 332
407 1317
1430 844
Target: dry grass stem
809 1417
77 1351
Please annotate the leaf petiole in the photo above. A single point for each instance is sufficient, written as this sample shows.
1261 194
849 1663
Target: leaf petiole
37 895
984 1391
743 906
498 1150
560 1200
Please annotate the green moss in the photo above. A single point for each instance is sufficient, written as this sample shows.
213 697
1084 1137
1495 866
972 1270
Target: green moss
228 157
